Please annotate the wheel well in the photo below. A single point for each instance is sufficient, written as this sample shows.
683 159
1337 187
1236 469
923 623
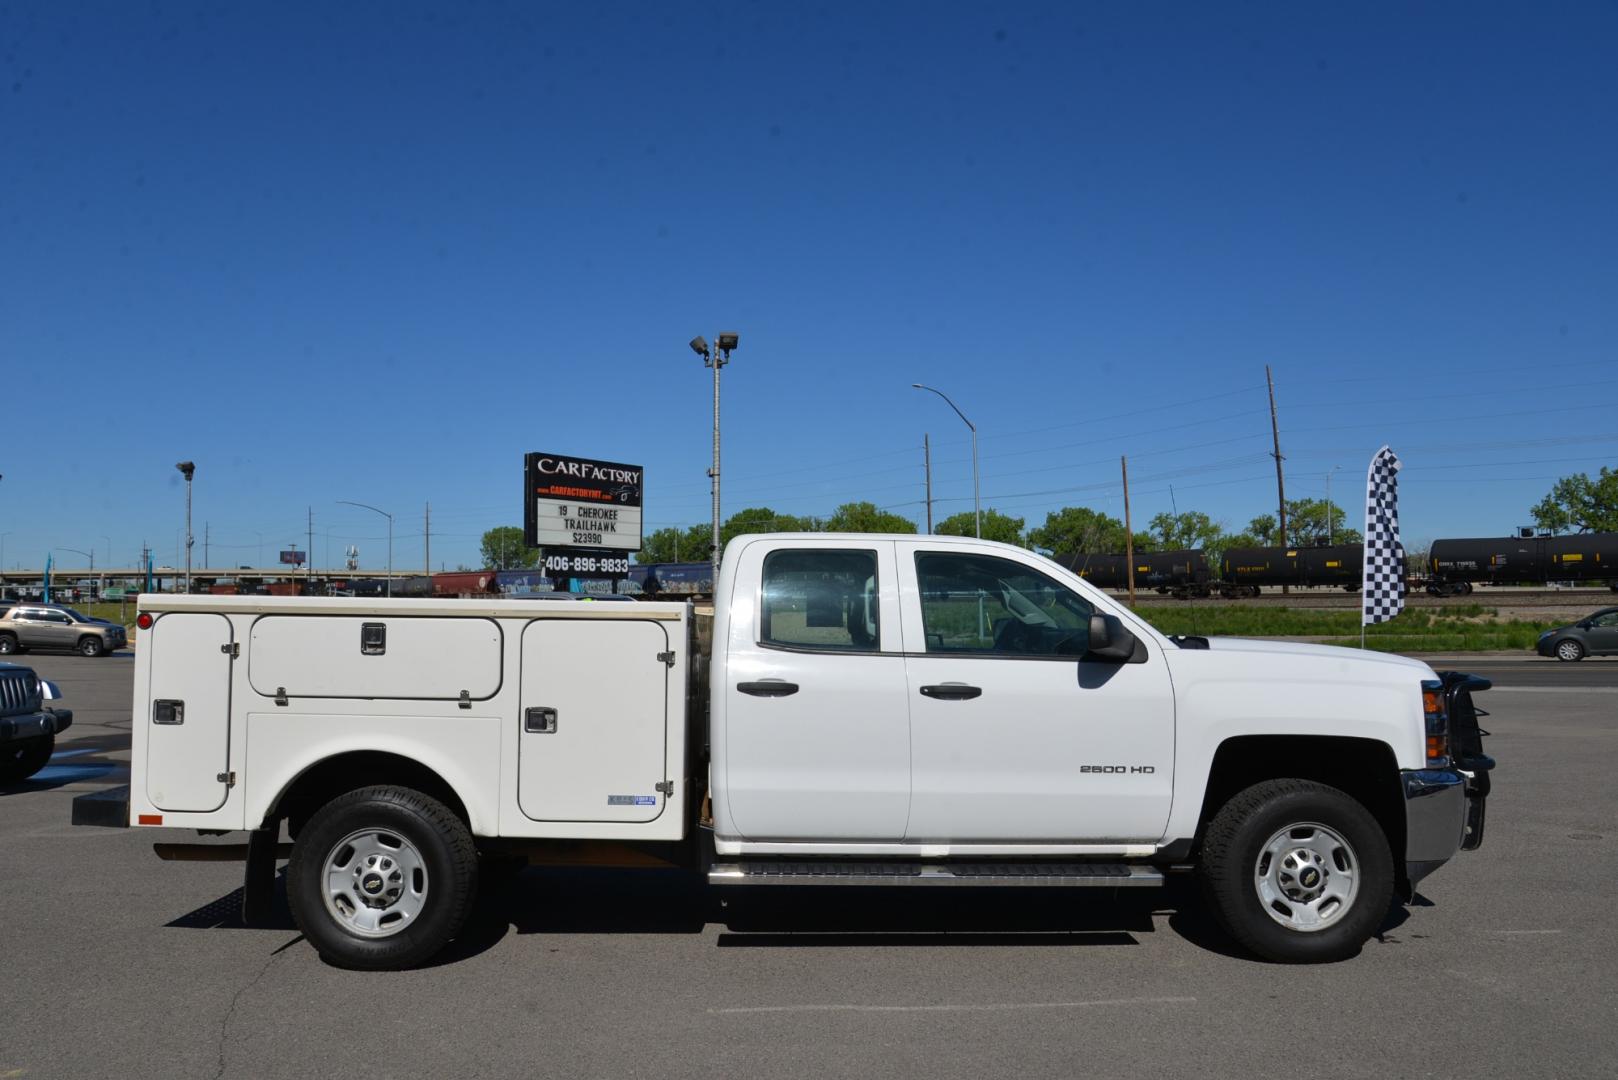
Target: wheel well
325 780
1362 768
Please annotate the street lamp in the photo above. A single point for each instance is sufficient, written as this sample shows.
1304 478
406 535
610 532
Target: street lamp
384 513
187 468
977 507
91 555
716 358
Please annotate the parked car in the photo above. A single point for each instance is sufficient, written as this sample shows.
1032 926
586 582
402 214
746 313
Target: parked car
1596 635
53 626
28 729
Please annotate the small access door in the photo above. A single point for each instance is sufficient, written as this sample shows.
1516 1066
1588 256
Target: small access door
593 720
188 712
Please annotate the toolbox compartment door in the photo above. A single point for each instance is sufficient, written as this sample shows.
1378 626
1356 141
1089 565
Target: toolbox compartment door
593 720
376 657
187 713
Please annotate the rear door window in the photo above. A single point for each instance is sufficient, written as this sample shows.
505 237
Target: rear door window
821 599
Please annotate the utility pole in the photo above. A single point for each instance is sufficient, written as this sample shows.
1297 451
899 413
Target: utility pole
1129 533
207 531
927 460
1280 482
427 533
311 554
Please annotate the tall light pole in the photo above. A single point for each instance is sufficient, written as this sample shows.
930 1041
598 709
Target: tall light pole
1331 536
91 555
188 469
715 358
384 513
977 506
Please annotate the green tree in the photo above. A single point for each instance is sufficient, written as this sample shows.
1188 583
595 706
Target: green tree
1579 503
865 517
1192 529
1314 521
1308 524
671 544
503 549
1076 530
996 526
761 519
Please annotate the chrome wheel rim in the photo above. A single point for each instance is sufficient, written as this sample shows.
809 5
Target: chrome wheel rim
89 648
1306 877
1568 650
376 883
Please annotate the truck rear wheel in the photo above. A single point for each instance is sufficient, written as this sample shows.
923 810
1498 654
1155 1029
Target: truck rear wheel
1297 872
21 759
381 878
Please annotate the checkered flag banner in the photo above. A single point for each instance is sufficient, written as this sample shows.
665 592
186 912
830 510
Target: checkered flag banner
1384 594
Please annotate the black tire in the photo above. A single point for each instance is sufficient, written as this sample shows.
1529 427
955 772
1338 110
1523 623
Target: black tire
1569 650
91 647
448 856
1235 841
8 644
21 759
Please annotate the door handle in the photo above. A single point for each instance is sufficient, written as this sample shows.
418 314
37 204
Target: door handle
540 721
951 691
768 688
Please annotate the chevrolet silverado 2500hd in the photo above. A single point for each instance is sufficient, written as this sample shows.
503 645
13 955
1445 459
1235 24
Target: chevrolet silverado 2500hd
869 710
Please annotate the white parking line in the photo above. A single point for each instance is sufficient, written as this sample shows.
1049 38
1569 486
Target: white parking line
1005 1007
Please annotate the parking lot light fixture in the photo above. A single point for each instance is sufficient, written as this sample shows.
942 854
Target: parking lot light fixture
384 513
715 358
977 506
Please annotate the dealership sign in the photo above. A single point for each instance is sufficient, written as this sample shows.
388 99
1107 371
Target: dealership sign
571 502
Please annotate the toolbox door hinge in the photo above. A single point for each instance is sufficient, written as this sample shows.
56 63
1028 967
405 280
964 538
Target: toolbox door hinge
666 787
227 778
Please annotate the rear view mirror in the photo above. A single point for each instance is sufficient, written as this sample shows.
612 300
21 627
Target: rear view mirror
1110 639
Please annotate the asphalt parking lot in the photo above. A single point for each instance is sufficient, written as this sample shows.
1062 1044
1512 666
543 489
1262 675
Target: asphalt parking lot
115 964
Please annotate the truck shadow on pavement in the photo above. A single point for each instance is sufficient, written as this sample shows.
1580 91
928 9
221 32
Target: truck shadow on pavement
597 901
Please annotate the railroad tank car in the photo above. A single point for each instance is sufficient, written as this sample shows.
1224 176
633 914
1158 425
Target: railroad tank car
1582 557
1335 565
1491 559
1340 565
420 585
1259 566
1534 559
1164 571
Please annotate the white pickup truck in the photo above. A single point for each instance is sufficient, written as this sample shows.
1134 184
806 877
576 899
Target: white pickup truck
873 710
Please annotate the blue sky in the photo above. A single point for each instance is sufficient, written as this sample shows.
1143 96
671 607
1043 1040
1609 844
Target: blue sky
377 252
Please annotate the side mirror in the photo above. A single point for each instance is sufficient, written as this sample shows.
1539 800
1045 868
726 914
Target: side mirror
1110 639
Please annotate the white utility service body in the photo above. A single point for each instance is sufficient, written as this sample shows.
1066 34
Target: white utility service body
921 709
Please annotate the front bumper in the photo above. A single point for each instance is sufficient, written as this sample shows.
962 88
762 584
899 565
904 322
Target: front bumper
1444 813
34 725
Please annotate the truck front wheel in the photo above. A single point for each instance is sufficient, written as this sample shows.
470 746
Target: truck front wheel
1297 872
381 878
